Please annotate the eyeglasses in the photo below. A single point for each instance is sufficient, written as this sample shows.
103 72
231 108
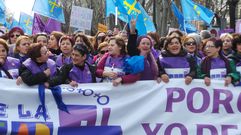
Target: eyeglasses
210 46
190 43
103 51
12 36
226 40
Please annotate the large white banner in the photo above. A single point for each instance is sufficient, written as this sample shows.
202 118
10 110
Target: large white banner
81 17
143 108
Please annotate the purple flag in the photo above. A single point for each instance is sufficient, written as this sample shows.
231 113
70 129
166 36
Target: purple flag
42 25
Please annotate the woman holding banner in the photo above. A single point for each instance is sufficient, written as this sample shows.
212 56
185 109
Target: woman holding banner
78 71
111 66
141 46
175 62
236 56
216 66
38 68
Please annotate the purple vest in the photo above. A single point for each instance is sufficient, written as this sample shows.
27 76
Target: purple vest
60 60
115 64
217 63
11 65
175 67
80 76
34 68
174 62
147 73
218 68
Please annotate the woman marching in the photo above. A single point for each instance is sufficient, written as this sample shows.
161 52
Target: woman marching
236 56
141 46
175 62
8 65
216 66
111 66
38 68
78 71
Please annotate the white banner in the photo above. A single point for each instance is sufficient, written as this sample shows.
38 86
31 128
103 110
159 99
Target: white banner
143 108
81 18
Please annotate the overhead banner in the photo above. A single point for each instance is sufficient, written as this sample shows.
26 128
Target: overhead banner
142 108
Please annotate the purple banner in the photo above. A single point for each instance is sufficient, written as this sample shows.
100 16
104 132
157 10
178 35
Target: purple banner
47 26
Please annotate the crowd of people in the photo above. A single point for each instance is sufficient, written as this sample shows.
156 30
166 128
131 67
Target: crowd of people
59 58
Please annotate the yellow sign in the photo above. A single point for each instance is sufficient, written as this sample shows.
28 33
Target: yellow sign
102 27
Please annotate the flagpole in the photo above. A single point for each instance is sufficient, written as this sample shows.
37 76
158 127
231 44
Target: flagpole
124 29
116 16
185 29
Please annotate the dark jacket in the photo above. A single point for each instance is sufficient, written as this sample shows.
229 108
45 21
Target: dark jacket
63 75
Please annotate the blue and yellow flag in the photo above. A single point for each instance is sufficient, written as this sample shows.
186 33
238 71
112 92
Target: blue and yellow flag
110 9
184 26
11 23
2 12
50 8
26 23
132 8
194 11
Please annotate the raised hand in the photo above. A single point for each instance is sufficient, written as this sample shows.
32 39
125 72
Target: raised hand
133 25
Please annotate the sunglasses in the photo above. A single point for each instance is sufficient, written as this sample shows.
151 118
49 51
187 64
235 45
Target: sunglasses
104 51
12 36
100 37
190 43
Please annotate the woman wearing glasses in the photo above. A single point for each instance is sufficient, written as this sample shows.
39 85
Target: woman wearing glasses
191 47
79 71
13 34
38 68
175 62
99 38
8 66
216 66
102 49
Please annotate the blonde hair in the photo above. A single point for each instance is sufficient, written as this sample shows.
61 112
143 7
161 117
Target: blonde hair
4 43
18 42
102 45
226 35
